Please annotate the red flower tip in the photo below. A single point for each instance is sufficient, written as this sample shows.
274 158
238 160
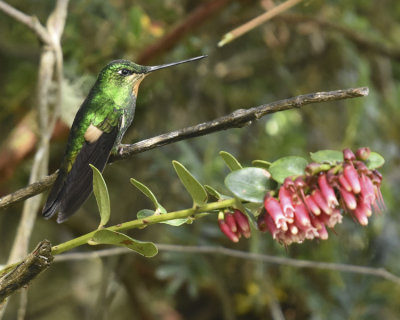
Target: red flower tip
327 191
351 176
227 231
348 155
363 153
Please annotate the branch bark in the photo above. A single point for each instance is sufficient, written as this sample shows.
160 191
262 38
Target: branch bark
24 272
238 118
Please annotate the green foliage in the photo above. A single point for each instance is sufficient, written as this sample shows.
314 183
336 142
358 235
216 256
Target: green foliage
101 193
290 166
192 185
232 163
149 194
147 249
327 156
250 184
375 161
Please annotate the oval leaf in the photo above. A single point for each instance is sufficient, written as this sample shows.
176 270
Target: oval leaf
149 194
192 185
101 194
327 156
144 213
261 164
374 161
287 167
230 161
211 191
250 184
147 249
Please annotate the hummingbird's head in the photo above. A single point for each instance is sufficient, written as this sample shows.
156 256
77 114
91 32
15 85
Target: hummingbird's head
123 74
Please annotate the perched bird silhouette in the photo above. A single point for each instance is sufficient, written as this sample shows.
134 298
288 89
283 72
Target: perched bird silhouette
97 129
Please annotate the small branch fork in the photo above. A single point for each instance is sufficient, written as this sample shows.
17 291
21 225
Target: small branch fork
238 118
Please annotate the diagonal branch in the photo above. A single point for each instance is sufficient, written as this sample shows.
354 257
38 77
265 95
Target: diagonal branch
238 118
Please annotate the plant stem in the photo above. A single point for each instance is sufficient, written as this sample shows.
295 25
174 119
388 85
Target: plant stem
138 223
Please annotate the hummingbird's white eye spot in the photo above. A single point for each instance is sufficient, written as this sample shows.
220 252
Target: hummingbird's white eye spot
125 72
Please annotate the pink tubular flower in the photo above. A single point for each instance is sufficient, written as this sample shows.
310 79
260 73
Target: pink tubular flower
243 223
348 155
302 218
367 189
285 199
311 205
327 191
344 183
226 229
274 209
351 176
231 222
348 198
320 201
361 213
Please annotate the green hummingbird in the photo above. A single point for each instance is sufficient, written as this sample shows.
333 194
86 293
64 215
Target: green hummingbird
97 129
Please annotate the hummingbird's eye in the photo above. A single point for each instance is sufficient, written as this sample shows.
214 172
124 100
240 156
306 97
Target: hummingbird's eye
125 72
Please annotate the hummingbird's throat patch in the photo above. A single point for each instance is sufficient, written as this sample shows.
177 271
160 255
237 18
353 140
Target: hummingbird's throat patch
135 88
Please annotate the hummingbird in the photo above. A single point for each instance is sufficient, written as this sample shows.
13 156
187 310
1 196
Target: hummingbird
96 131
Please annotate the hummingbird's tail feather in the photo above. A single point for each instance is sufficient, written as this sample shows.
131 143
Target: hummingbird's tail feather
71 189
79 182
53 201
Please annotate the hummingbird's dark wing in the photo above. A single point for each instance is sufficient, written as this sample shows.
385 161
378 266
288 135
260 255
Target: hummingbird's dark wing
71 189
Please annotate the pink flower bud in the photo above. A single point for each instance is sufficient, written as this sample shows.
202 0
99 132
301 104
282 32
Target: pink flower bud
243 223
367 190
348 155
351 176
230 221
327 191
320 201
363 153
227 231
323 233
275 211
361 213
344 183
289 185
299 183
285 199
302 219
271 226
311 205
348 198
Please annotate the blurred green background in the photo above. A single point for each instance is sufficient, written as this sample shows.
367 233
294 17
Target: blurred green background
318 46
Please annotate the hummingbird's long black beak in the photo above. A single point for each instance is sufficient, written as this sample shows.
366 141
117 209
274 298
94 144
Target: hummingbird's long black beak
162 66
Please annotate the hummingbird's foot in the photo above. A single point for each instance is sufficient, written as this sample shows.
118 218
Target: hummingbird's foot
120 149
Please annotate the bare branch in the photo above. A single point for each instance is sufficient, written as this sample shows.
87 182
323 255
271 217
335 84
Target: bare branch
377 272
238 118
30 21
24 272
241 30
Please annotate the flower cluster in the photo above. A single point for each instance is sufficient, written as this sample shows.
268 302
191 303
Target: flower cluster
307 205
234 225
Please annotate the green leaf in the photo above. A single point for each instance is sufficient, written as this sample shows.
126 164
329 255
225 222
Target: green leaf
374 161
230 161
192 185
250 184
101 195
211 191
144 213
287 167
148 193
327 156
261 164
147 249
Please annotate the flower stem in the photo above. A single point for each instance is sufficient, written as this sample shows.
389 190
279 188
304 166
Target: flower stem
138 223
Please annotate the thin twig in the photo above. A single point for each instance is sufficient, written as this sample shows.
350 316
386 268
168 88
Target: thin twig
238 118
377 272
239 31
30 21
